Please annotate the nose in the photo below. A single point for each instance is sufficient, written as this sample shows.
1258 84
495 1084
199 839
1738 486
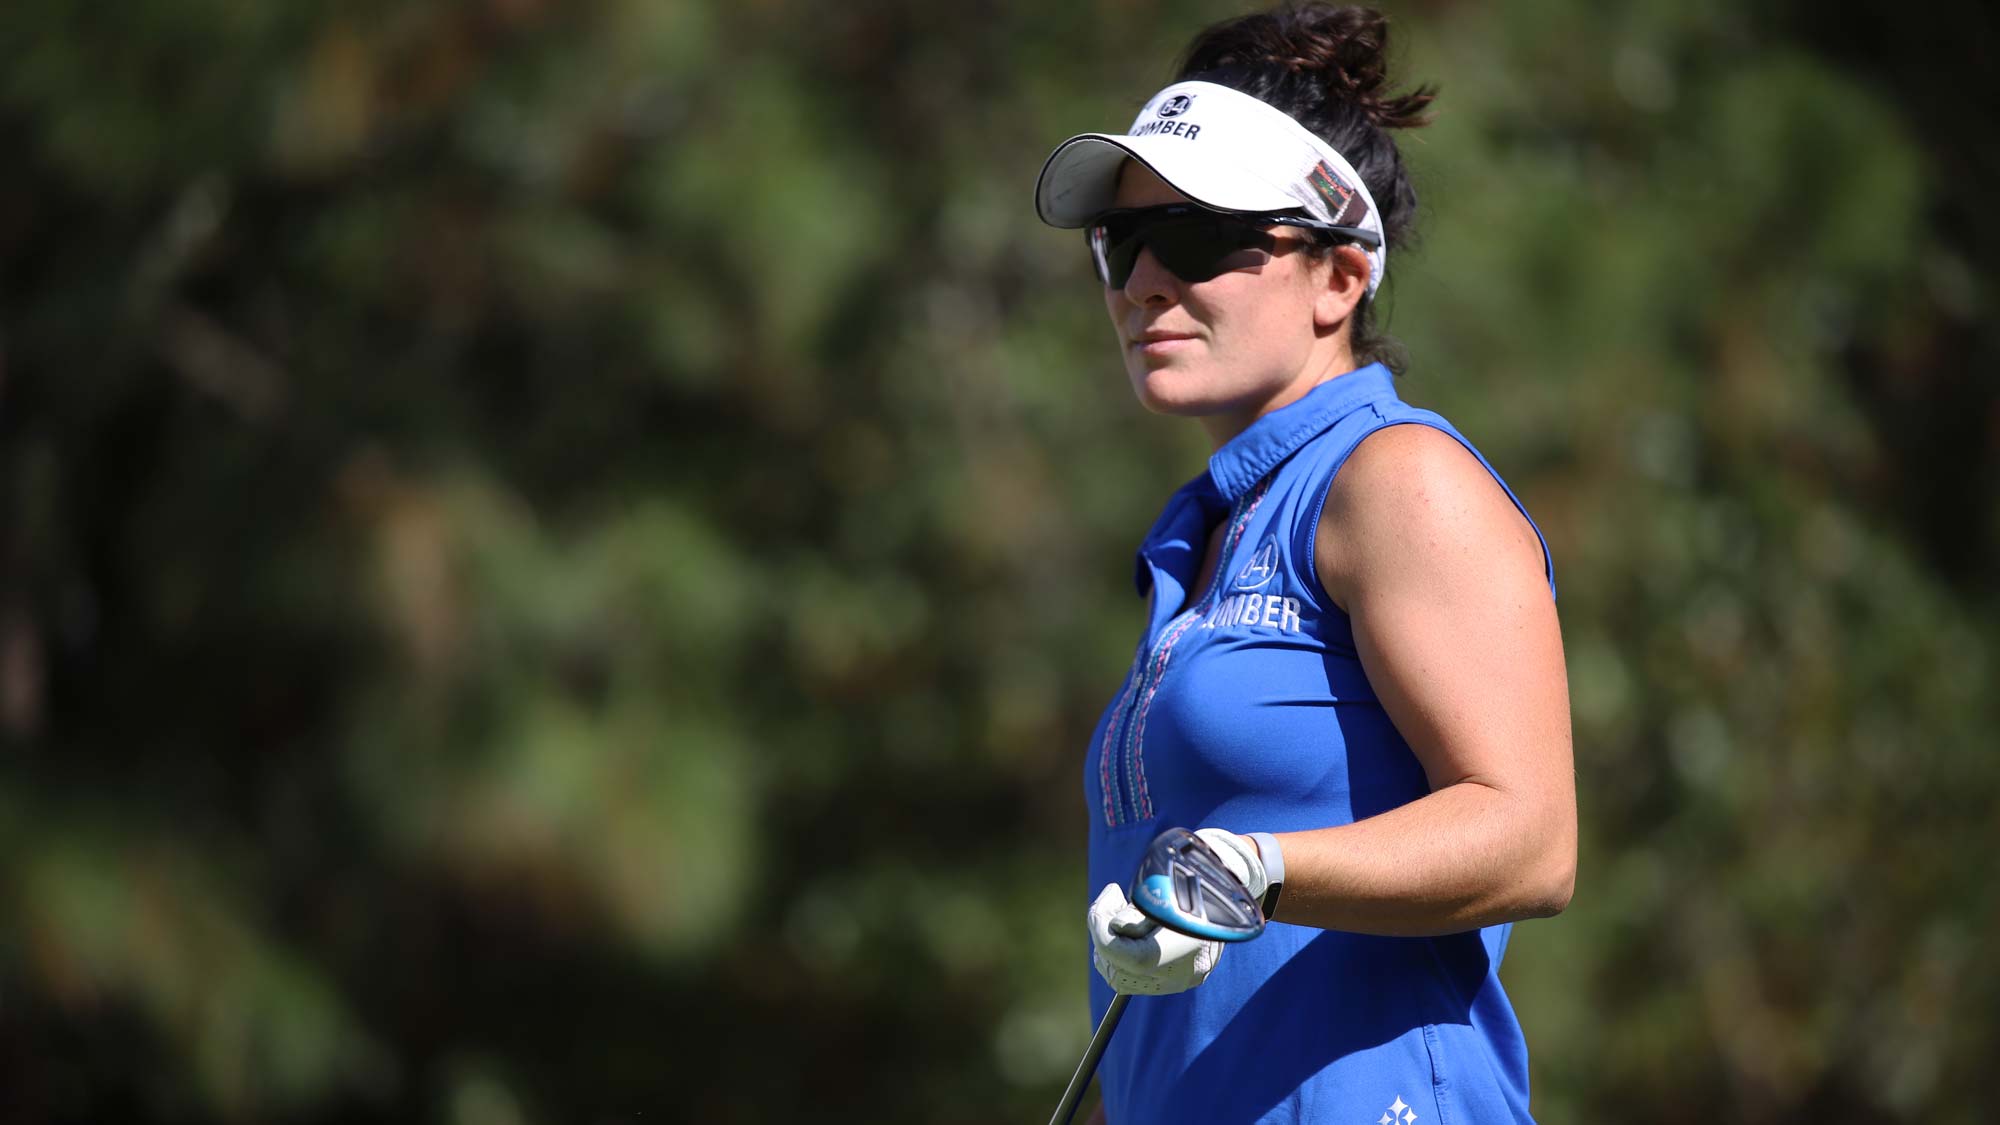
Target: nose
1151 283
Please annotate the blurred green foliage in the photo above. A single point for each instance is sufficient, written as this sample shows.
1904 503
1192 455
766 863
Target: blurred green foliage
556 560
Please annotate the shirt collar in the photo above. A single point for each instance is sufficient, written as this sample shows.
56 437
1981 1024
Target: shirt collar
1245 459
1178 537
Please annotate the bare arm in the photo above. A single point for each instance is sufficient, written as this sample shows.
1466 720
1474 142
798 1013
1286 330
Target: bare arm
1458 635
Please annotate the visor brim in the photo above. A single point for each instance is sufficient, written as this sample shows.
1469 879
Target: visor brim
1080 178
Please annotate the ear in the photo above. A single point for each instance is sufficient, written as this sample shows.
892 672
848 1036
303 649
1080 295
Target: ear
1342 286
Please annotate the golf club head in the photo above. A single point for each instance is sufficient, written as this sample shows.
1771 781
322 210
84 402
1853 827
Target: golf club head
1183 885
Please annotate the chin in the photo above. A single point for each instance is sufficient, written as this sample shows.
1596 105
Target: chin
1184 394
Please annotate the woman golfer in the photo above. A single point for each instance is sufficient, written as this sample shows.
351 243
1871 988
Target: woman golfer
1351 676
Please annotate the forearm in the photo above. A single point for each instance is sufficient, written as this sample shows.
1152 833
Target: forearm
1465 856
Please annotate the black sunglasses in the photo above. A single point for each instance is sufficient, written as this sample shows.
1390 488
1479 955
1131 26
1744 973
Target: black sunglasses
1193 242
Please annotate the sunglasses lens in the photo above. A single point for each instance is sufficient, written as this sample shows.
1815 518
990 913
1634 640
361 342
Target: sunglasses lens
1114 248
1193 247
1100 243
1202 249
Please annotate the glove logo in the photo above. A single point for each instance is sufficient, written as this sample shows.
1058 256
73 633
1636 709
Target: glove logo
1399 1113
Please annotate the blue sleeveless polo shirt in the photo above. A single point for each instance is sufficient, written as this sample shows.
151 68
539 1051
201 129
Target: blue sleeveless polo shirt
1250 711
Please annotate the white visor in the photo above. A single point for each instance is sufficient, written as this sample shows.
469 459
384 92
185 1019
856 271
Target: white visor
1221 148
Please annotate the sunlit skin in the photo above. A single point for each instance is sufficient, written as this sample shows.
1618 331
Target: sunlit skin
1442 580
1250 340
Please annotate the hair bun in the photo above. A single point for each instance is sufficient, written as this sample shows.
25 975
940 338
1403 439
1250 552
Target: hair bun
1345 48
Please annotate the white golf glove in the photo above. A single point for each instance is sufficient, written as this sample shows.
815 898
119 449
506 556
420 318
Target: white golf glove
1136 955
1240 855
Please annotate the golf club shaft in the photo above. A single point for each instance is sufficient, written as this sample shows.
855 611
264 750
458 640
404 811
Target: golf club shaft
1098 1041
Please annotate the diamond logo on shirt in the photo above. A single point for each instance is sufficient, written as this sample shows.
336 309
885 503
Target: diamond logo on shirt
1399 1114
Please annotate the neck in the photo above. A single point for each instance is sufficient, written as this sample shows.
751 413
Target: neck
1331 362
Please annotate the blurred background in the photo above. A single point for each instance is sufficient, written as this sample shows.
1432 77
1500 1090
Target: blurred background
556 560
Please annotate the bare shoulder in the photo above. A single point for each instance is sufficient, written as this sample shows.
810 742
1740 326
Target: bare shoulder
1412 503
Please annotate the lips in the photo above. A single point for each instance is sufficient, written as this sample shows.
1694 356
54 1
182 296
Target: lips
1157 337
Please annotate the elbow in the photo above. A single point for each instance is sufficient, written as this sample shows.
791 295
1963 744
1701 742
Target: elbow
1551 881
1549 895
1553 901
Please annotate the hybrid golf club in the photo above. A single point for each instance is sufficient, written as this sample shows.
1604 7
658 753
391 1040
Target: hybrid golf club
1183 885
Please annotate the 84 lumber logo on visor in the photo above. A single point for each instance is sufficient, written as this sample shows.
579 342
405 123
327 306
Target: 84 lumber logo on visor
1163 119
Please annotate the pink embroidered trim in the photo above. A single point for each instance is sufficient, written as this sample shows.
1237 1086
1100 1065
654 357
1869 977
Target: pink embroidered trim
1143 800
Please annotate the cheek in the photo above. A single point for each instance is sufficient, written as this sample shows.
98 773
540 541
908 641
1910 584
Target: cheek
1271 322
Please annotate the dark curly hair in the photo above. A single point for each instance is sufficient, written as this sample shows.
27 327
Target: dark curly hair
1327 67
